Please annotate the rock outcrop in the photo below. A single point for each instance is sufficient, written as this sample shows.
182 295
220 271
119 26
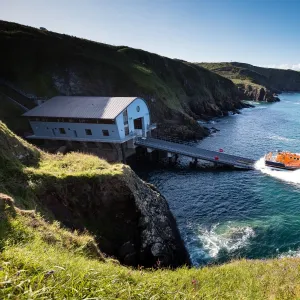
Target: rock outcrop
257 93
129 218
257 83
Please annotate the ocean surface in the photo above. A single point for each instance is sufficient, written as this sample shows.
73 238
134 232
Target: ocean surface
228 214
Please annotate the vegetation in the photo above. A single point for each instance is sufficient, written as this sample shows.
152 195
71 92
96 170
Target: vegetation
245 75
240 75
40 259
42 262
24 168
72 164
45 64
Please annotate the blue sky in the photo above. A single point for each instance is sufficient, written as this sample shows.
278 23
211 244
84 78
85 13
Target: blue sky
260 32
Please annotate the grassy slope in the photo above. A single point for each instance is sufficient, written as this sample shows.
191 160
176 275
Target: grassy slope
41 260
45 64
242 74
36 267
84 192
24 169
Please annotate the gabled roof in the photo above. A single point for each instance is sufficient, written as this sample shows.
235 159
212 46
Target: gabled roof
81 107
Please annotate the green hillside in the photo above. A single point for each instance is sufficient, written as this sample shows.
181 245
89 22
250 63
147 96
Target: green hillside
44 64
84 192
257 83
41 259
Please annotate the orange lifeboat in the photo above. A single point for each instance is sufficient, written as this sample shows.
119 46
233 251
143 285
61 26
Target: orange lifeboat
283 160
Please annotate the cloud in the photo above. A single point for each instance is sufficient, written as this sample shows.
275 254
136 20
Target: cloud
285 66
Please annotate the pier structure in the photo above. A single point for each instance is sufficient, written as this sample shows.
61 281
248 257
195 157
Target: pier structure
175 149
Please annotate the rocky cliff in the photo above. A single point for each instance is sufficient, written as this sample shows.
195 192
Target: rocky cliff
257 83
44 64
130 220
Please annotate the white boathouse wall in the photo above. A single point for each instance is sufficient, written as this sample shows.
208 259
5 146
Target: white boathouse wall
137 109
74 130
77 131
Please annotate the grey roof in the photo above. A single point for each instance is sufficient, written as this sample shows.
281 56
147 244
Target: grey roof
81 107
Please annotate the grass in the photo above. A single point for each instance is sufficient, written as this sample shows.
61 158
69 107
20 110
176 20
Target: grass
24 169
46 64
244 75
40 259
72 164
33 266
246 82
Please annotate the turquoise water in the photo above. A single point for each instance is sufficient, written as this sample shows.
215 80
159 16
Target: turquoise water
228 214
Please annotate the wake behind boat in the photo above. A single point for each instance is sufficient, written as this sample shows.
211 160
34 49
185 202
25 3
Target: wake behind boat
282 160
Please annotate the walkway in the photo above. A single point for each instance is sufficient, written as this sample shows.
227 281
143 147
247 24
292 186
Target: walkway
16 96
196 153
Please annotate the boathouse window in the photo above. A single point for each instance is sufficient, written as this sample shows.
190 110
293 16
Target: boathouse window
125 117
126 130
88 132
62 131
105 132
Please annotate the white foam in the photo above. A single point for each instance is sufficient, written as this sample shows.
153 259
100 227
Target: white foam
290 253
285 175
232 239
280 138
260 107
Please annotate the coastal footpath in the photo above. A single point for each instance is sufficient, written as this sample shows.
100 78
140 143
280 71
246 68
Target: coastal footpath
257 83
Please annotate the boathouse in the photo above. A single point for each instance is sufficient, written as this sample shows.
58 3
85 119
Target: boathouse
91 121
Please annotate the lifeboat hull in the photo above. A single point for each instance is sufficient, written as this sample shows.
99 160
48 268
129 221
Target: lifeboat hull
280 166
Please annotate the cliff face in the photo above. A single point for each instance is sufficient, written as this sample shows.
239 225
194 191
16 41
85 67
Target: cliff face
257 83
257 93
45 64
130 220
276 79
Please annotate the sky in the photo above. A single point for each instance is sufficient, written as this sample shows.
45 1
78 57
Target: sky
260 32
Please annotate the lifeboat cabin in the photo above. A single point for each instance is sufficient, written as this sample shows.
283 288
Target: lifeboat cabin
283 160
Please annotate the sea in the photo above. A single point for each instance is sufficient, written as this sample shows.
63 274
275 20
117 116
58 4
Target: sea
231 214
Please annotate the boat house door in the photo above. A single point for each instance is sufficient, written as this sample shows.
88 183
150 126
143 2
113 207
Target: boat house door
139 127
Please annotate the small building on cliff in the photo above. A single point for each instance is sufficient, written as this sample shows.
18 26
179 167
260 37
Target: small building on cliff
109 124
